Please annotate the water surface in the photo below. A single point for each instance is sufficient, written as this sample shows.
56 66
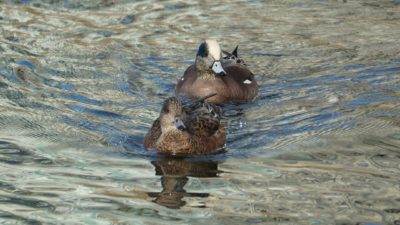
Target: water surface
81 83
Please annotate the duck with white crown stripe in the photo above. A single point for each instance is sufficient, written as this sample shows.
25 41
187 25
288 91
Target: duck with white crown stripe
211 73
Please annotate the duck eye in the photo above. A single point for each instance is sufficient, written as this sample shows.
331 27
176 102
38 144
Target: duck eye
165 109
213 64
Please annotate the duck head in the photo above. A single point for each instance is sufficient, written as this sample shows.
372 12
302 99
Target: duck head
208 58
171 116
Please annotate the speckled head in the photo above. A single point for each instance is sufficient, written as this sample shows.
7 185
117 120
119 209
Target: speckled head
171 115
208 57
171 105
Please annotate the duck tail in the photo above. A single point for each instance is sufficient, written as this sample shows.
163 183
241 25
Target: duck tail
235 51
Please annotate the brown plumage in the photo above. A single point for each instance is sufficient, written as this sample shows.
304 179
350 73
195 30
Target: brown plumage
193 128
228 77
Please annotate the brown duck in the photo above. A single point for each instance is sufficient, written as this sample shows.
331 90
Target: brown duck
181 129
228 77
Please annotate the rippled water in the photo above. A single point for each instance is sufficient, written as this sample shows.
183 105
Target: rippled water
81 82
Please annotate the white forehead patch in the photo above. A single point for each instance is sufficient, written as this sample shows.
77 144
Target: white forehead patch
213 49
247 81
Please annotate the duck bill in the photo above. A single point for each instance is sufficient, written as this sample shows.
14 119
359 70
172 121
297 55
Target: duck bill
217 68
179 124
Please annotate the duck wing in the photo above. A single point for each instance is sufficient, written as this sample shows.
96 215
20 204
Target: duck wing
203 119
232 58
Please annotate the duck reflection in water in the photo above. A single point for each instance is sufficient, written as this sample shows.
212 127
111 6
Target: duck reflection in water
174 174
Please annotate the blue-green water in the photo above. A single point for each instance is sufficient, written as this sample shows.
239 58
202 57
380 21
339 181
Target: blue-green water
82 82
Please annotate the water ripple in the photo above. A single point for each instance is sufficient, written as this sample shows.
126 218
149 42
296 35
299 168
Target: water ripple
81 82
14 154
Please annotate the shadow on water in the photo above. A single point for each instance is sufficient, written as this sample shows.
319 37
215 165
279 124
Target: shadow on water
174 174
174 171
